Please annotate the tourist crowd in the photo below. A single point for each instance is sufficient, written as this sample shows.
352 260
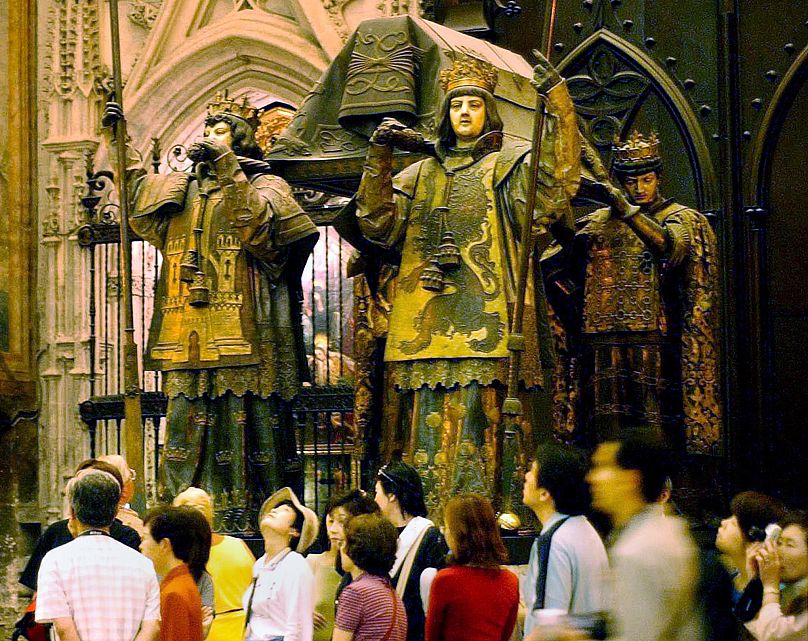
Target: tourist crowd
387 573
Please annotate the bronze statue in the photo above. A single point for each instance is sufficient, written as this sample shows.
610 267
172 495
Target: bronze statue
454 219
226 330
636 308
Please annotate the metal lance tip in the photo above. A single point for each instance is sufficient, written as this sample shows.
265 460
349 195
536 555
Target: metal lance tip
448 252
198 292
432 277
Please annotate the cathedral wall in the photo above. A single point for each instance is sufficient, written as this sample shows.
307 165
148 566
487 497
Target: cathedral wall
17 312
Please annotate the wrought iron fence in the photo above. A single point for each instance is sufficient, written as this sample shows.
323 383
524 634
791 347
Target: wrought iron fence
326 437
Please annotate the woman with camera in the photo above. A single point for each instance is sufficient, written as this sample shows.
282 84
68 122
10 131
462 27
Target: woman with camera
783 570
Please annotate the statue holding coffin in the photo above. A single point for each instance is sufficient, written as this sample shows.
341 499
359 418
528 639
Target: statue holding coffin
454 219
635 292
226 330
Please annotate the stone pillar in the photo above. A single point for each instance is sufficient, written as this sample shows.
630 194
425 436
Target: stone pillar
70 78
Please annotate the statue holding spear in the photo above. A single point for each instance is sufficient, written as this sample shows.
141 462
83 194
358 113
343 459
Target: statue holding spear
462 222
226 330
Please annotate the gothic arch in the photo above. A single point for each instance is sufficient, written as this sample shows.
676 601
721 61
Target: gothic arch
628 89
259 54
771 125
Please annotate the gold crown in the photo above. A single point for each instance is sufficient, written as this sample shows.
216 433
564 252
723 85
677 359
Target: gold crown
222 104
637 148
469 72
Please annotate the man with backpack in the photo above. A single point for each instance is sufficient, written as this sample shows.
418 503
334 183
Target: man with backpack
568 562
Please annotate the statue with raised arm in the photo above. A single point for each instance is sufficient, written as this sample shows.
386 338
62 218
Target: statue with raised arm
635 290
226 330
455 221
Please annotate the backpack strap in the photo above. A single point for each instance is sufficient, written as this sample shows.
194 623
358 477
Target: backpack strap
544 557
406 566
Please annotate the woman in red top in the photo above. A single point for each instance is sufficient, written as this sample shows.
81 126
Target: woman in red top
177 540
473 599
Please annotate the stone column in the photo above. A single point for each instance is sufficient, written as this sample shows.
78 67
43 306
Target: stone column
70 78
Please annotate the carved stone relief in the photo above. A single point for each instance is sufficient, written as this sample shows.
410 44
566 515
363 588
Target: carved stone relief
143 13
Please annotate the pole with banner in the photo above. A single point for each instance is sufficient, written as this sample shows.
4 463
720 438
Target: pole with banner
132 409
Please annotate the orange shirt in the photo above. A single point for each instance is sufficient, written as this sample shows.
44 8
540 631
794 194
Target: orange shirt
180 607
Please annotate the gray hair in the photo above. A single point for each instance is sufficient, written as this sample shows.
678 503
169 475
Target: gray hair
94 497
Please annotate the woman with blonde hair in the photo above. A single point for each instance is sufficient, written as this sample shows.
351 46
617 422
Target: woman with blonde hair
474 599
230 565
126 514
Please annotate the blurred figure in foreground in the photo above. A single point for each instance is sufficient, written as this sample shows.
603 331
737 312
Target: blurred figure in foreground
654 559
474 599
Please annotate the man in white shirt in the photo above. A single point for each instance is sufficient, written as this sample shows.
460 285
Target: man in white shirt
654 561
572 577
95 588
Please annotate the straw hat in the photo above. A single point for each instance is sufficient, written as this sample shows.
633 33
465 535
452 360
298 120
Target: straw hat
311 524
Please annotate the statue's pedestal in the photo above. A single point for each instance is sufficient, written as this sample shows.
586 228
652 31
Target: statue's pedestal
518 546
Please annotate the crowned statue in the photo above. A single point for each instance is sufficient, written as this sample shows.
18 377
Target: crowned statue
226 330
635 294
454 219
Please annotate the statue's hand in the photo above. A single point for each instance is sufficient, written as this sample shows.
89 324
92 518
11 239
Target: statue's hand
207 149
113 113
545 77
621 206
384 134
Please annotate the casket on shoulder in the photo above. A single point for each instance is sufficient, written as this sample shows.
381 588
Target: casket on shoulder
389 67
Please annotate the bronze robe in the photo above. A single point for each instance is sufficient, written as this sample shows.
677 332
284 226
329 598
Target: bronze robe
637 333
230 367
446 352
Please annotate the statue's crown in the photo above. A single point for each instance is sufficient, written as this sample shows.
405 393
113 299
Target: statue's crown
637 148
467 71
223 104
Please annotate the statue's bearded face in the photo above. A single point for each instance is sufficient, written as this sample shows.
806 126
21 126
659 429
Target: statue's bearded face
467 115
221 132
644 189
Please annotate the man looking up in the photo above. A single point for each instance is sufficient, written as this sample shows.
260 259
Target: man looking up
95 588
280 604
568 562
654 560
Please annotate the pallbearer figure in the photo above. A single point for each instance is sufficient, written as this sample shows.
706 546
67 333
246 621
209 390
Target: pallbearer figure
455 219
226 327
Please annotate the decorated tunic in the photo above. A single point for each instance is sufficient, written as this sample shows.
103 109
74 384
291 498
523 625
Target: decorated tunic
647 333
251 256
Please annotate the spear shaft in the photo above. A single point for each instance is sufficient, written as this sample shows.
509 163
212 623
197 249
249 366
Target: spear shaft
132 410
512 406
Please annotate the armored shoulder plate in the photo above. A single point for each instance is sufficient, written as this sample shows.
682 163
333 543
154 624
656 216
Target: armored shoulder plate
155 191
